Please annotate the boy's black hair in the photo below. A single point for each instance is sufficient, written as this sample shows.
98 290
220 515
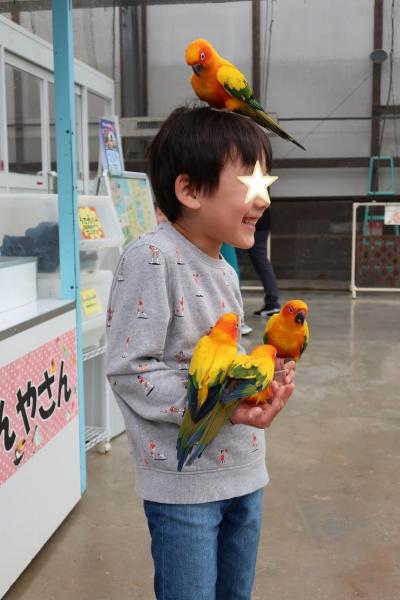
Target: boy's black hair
199 142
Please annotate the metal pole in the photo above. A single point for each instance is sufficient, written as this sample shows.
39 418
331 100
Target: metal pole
255 37
353 252
67 185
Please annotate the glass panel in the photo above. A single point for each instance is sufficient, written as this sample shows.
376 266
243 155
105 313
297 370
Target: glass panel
78 131
23 121
97 108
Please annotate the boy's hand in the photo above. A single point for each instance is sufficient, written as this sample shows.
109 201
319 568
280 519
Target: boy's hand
261 416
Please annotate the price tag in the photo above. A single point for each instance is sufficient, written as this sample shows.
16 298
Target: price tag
89 223
90 302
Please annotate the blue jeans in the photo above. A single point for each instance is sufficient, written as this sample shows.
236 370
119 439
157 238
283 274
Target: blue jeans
205 551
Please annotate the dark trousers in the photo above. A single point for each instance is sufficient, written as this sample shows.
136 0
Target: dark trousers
262 266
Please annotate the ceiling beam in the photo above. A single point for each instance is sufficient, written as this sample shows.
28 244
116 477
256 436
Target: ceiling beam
36 5
349 162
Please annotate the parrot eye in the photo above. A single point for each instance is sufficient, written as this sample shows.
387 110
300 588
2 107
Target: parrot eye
291 309
202 55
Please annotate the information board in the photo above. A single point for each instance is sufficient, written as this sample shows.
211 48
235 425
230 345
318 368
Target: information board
133 201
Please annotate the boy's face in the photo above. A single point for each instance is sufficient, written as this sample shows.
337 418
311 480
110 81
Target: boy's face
224 215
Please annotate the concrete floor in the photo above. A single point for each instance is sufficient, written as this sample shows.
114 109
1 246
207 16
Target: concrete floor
332 509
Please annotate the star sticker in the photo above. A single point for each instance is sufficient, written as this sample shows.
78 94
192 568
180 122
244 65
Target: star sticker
257 184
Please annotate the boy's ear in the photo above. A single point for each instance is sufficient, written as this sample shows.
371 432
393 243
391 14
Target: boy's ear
185 191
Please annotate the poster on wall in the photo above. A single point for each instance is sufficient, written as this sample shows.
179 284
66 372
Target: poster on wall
133 201
110 146
38 397
90 225
392 214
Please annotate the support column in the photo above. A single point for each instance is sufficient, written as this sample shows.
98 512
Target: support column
376 90
255 38
67 185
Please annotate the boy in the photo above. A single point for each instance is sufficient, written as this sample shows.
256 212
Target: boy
170 287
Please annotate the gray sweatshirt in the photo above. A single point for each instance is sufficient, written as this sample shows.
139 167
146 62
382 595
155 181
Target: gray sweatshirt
166 294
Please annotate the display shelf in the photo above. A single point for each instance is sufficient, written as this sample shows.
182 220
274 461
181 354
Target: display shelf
29 315
95 288
18 282
99 224
31 219
94 436
93 353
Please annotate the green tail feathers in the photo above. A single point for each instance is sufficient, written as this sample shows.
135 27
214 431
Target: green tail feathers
265 120
192 445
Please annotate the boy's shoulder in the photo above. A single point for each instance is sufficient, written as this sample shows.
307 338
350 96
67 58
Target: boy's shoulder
158 240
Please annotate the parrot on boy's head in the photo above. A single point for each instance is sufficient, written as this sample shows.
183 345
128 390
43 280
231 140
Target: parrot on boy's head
288 331
219 83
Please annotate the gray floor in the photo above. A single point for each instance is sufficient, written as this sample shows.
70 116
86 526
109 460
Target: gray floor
332 509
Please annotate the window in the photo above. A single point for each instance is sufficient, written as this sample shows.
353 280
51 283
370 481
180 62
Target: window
97 107
23 121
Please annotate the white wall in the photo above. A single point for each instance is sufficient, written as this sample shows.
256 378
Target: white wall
319 56
171 28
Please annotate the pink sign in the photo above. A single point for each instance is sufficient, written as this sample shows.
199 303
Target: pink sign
38 397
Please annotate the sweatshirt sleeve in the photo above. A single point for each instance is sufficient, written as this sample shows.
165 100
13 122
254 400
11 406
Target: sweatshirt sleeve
139 314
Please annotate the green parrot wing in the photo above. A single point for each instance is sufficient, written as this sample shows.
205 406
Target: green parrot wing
195 434
247 376
306 338
236 84
197 411
208 429
236 389
268 326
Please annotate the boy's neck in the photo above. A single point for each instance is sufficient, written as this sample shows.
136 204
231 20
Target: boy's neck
198 238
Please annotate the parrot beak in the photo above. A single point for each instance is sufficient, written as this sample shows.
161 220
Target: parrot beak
197 69
300 317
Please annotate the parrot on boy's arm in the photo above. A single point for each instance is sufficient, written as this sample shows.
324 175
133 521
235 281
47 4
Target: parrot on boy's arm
288 331
208 368
219 83
265 394
247 375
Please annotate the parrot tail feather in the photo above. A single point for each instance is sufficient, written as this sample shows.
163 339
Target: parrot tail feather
265 120
209 430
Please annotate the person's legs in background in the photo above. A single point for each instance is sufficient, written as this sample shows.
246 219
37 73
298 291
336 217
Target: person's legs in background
262 266
229 254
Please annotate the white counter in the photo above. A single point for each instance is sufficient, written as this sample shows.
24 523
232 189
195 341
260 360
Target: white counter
39 424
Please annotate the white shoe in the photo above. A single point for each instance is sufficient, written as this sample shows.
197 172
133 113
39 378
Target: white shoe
245 329
266 314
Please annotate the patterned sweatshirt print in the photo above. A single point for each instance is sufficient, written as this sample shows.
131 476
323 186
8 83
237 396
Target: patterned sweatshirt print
165 295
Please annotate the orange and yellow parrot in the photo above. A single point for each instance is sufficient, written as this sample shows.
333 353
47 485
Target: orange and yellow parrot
266 393
208 368
246 375
288 331
219 83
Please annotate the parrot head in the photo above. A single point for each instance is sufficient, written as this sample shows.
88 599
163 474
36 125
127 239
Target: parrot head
295 312
199 55
226 329
264 351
